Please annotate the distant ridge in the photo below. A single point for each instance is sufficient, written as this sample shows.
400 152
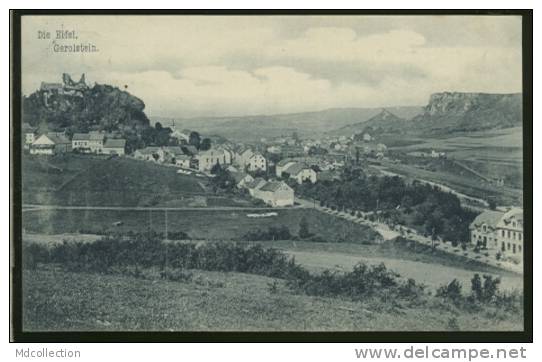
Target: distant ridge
447 113
304 123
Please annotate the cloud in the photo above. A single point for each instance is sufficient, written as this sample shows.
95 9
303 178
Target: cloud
233 65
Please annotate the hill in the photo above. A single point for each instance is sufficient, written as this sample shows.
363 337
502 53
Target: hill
306 124
76 107
384 121
458 112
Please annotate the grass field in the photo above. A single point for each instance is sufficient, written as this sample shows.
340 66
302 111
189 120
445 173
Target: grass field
199 224
55 300
493 154
99 181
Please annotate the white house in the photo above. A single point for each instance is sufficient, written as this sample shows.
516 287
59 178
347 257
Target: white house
301 172
256 162
114 147
183 161
242 157
254 186
502 231
242 179
29 135
147 154
50 144
282 165
208 159
81 142
275 193
96 142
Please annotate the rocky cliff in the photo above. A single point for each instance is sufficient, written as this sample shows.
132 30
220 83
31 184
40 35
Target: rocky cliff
454 111
81 108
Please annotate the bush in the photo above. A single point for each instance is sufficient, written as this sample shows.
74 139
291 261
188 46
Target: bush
451 292
272 233
363 281
484 291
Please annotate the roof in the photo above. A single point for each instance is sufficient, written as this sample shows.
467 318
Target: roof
148 150
58 137
258 182
515 212
176 150
488 217
284 162
96 136
238 176
248 151
115 143
182 157
190 148
273 186
297 168
80 137
257 154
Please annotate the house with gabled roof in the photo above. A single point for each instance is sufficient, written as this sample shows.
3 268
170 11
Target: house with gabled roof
282 165
114 146
275 193
241 179
147 154
96 141
502 231
81 142
301 172
50 143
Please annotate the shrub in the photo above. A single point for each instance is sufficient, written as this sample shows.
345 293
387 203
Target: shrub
451 292
272 233
484 291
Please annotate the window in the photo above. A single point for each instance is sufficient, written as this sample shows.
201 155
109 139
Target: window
519 248
502 233
508 235
508 246
514 249
519 236
484 228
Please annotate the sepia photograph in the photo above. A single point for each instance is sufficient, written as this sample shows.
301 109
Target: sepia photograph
298 172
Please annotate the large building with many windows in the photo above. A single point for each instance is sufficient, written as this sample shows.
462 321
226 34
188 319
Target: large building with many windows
501 231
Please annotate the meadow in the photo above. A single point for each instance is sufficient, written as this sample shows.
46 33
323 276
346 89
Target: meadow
204 224
493 154
110 283
57 300
113 181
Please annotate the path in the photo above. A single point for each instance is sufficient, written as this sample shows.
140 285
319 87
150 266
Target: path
37 207
389 234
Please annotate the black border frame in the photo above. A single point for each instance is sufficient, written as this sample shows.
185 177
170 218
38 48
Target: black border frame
16 331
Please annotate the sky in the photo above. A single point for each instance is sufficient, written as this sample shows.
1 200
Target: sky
191 66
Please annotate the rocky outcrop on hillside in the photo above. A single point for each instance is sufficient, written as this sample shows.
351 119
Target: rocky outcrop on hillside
75 107
456 112
384 121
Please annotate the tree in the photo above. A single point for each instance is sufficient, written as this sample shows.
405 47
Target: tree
476 287
216 169
205 144
492 204
357 156
194 139
304 228
451 291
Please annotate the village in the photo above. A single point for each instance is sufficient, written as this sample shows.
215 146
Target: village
272 169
